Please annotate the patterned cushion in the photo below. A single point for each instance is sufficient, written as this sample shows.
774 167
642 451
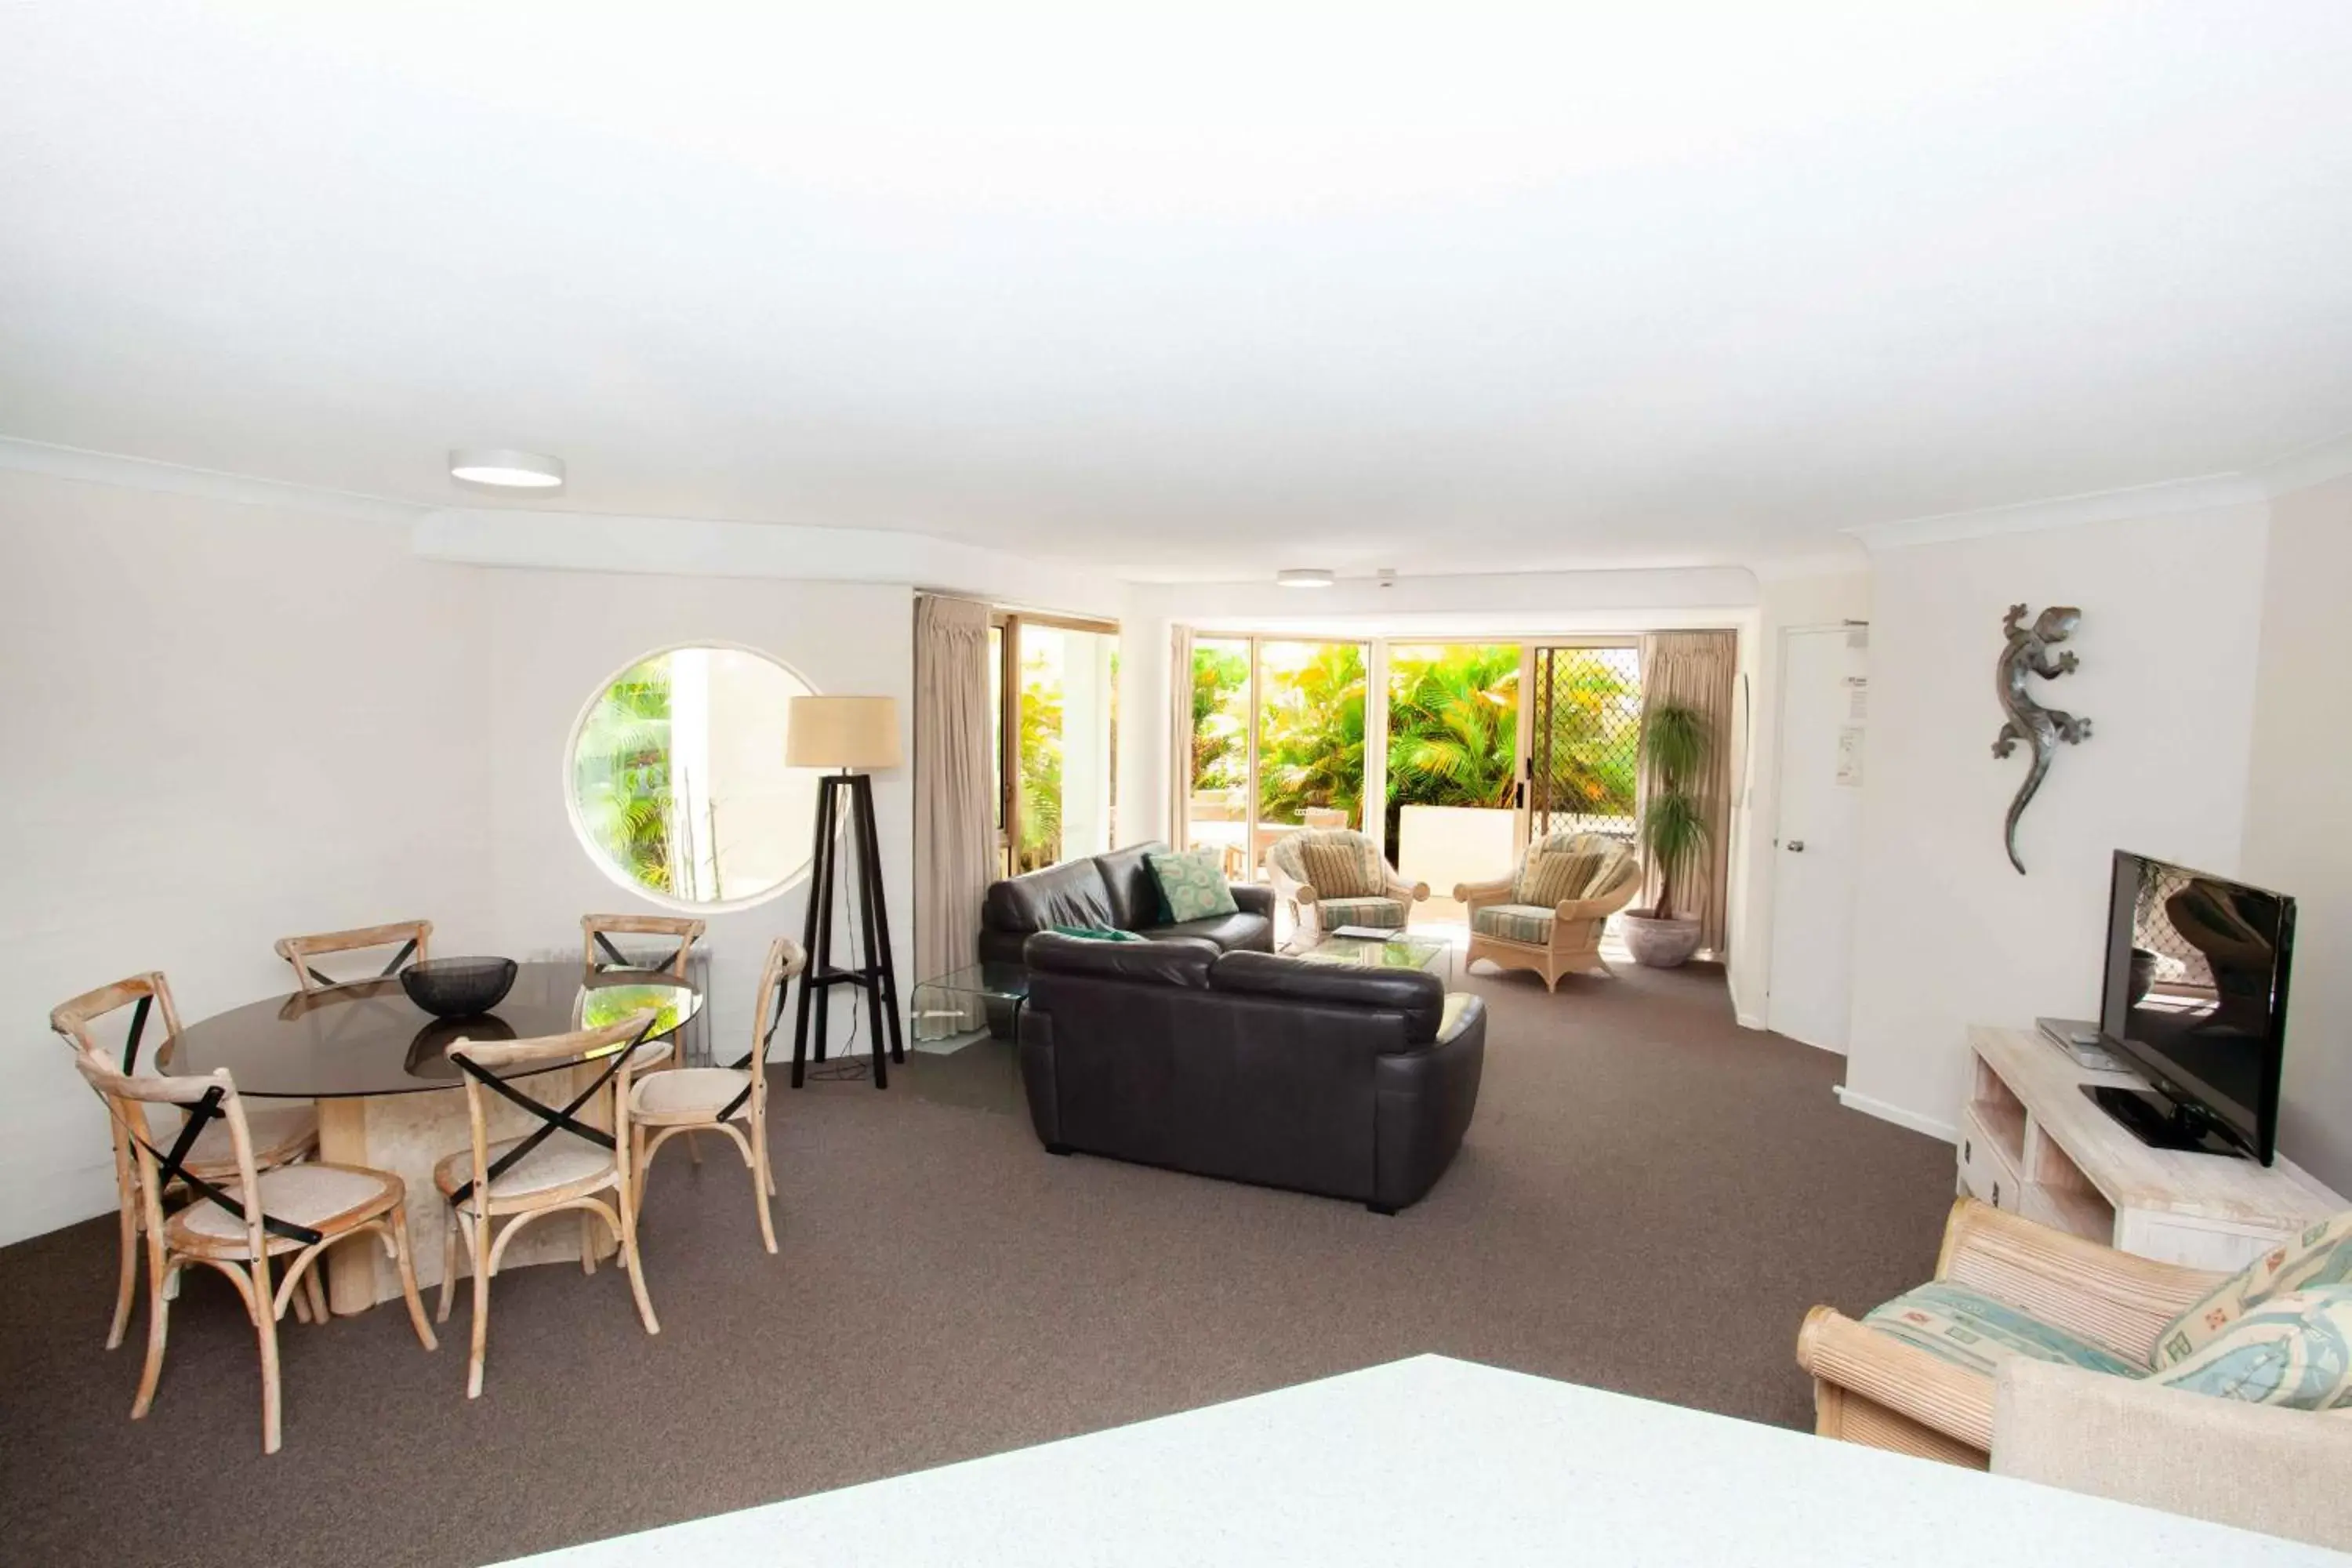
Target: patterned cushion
1570 865
1972 1330
1389 914
1094 933
1513 922
1192 884
1339 863
2321 1255
2294 1349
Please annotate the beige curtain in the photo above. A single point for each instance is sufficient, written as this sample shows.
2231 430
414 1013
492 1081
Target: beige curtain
955 811
1180 735
1696 670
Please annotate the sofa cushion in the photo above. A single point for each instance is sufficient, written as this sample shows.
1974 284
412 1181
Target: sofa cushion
1133 891
1566 866
2292 1348
2320 1254
1180 961
1339 863
1513 922
1389 914
1417 994
1070 894
1192 885
1975 1330
1231 932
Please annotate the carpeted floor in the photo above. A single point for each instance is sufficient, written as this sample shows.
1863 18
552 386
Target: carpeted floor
1649 1200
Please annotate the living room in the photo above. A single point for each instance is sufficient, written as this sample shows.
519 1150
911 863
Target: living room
488 471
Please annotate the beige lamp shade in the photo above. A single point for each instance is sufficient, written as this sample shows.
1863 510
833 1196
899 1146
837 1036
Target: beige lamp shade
843 732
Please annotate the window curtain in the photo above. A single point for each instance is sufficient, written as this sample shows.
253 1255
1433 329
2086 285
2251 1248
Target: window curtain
1696 670
1180 735
955 811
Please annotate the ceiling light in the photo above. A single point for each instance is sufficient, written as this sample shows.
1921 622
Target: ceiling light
506 470
1304 577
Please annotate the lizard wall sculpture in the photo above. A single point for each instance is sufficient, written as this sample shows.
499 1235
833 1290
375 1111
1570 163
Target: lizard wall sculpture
2028 652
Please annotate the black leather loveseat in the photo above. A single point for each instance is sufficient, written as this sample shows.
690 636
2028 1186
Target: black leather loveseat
1117 890
1353 1082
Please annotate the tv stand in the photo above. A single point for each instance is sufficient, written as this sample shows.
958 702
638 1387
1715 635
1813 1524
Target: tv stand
2035 1139
2161 1122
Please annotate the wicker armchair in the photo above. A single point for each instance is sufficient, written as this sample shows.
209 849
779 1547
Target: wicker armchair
1333 877
1591 877
1878 1390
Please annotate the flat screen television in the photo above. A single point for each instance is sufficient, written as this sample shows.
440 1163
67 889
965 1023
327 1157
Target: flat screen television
2195 1000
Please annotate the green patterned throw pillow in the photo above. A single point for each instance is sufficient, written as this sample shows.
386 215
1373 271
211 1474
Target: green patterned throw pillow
1192 884
2294 1349
2321 1255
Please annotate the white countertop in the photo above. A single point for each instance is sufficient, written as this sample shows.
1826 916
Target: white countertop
1436 1461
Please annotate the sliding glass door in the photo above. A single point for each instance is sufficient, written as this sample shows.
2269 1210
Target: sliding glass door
1055 685
1584 739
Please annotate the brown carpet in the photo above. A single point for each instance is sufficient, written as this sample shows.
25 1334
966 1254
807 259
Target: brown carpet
1649 1199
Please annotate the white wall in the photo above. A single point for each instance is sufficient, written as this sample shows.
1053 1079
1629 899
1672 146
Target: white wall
2298 836
232 722
1785 604
1947 933
556 637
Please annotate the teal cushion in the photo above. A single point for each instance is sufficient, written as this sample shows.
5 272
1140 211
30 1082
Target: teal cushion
1972 1330
2293 1349
1094 933
1192 884
2321 1255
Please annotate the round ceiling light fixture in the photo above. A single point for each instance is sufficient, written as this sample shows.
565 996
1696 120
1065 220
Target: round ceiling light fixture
1305 577
506 470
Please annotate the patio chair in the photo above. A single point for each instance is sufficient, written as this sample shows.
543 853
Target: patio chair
1333 877
1548 915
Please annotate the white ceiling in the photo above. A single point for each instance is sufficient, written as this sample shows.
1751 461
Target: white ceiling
1197 291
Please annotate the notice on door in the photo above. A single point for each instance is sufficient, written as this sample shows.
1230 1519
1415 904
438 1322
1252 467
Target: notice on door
1857 698
1849 756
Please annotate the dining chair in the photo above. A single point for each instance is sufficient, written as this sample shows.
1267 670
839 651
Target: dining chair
597 949
685 1101
281 1134
413 938
295 1212
564 1165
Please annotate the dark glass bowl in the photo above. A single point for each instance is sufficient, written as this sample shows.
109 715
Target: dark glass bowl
458 987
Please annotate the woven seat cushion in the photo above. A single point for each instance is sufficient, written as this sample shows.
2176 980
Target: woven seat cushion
279 1132
562 1160
1389 914
1567 867
1513 922
1338 863
1972 1330
2320 1256
2294 1348
308 1196
688 1094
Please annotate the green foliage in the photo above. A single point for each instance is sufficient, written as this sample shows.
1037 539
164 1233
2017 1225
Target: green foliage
1453 728
1595 701
1676 739
1311 752
621 774
1041 764
1219 711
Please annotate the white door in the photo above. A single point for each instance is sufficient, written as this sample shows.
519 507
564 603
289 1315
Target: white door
1824 709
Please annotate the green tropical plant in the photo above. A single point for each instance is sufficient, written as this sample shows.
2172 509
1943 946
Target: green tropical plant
1675 740
1311 751
621 774
1219 760
1453 728
1041 762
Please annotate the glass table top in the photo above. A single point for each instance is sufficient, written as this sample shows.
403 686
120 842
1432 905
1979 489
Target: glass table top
1007 982
369 1038
1395 953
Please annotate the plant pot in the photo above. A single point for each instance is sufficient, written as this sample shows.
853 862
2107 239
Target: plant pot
1659 944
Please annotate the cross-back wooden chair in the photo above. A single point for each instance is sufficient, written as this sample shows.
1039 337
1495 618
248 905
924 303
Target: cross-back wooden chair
684 1101
597 949
281 1133
410 938
564 1165
295 1211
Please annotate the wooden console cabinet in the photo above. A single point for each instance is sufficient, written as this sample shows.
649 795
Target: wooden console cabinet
2033 1142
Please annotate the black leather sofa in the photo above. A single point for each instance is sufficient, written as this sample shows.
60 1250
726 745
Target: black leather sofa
1115 889
1353 1082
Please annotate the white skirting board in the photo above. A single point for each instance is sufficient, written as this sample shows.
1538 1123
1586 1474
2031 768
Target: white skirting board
1896 1115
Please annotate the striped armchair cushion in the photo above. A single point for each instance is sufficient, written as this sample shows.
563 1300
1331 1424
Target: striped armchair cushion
1513 922
1339 863
1572 866
1389 914
1972 1330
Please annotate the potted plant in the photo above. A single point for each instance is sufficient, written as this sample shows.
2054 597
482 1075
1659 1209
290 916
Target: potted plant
1675 740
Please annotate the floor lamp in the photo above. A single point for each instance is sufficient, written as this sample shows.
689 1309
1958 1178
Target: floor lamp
850 734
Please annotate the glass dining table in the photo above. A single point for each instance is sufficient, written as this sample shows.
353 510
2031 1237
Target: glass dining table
390 1098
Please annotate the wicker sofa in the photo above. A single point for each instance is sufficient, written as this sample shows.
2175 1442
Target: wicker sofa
1548 913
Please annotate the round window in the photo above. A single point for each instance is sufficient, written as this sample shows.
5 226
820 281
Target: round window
677 783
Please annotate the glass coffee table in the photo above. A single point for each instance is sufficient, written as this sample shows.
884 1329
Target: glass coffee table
955 1009
1400 951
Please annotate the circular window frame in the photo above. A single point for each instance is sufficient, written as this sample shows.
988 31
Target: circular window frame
614 874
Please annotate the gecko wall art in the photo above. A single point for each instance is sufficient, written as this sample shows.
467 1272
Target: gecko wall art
2031 650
